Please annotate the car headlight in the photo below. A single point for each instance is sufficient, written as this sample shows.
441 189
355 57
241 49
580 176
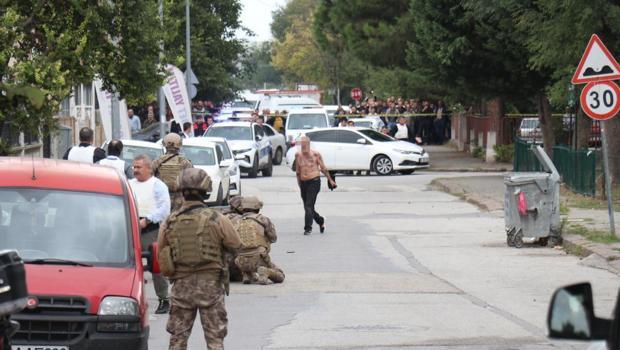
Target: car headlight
232 171
118 306
405 151
243 150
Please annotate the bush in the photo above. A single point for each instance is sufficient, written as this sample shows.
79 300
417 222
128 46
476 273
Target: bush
504 153
479 152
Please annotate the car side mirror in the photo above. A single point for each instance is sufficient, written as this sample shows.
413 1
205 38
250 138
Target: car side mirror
152 263
571 314
361 141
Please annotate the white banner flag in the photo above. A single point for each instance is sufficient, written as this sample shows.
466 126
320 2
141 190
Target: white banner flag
105 110
176 95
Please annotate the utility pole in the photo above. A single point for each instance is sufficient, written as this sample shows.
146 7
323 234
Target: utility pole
160 93
116 123
188 48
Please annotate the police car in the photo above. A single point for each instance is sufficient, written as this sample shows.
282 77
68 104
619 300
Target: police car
250 146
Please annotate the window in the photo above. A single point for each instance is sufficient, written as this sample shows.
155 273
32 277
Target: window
230 132
268 131
377 136
199 155
130 152
225 150
306 121
323 136
55 224
345 136
258 131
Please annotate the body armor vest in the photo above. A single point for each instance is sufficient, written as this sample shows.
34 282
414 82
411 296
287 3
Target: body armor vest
193 238
251 232
169 171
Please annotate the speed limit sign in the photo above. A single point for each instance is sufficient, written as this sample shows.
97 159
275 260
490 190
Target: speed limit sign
599 100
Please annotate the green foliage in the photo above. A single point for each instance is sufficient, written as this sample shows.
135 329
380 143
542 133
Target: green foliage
479 152
257 67
504 153
216 52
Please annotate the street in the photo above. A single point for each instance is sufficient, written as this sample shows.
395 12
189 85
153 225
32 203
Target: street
400 266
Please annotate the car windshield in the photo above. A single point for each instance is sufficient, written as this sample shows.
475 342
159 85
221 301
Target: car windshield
307 121
199 155
130 152
363 123
242 133
376 136
243 104
52 225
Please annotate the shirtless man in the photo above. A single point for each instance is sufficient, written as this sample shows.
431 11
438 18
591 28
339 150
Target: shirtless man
308 166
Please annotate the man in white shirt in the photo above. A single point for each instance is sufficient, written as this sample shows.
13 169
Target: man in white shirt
153 208
400 131
134 121
85 152
115 148
187 130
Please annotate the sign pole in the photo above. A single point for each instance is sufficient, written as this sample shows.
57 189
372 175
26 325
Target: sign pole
610 208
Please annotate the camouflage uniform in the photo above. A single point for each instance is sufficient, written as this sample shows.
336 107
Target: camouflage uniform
253 260
197 274
168 167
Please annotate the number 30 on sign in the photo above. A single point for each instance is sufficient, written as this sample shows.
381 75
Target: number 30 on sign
599 100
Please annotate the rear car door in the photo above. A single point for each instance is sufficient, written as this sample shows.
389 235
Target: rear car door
351 155
324 142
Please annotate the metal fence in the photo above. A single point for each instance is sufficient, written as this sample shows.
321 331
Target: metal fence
576 167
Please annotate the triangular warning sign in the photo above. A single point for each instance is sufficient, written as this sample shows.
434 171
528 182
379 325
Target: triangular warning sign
597 64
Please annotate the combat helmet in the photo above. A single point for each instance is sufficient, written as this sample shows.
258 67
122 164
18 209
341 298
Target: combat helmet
172 142
246 204
194 179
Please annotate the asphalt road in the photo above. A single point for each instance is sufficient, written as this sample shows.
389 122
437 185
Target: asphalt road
400 266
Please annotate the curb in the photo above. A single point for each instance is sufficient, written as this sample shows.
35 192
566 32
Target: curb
572 244
469 170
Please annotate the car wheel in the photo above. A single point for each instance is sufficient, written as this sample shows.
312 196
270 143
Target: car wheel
407 172
277 160
254 171
268 171
383 165
518 240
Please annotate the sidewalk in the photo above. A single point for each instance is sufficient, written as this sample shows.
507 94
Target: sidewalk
447 158
487 192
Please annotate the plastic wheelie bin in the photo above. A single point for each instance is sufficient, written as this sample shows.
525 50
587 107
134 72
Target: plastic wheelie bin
532 204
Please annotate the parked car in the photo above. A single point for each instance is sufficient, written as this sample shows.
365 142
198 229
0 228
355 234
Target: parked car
301 121
571 316
372 122
285 103
345 149
208 156
228 113
249 146
278 143
529 129
76 227
233 167
133 148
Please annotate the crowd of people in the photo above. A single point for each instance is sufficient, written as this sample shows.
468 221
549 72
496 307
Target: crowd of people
422 122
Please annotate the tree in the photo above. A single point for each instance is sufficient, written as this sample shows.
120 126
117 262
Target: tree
50 48
257 67
216 52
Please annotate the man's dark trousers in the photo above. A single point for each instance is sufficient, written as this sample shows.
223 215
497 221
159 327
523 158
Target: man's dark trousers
309 191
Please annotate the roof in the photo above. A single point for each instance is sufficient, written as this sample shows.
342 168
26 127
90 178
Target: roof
232 123
137 143
198 141
59 174
308 111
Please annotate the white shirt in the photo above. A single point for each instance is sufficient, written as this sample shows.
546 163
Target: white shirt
152 198
114 162
402 132
82 154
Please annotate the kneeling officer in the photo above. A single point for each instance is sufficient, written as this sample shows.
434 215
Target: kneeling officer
191 244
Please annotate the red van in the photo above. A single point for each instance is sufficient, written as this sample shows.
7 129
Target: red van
76 228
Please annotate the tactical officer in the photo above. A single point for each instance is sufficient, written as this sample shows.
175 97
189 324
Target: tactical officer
257 233
192 242
168 167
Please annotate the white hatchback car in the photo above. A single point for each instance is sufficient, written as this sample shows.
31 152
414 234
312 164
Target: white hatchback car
248 141
278 143
206 155
372 122
233 167
353 148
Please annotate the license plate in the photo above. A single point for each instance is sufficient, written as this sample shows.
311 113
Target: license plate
38 347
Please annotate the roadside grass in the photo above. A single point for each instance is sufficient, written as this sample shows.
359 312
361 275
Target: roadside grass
575 200
598 236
